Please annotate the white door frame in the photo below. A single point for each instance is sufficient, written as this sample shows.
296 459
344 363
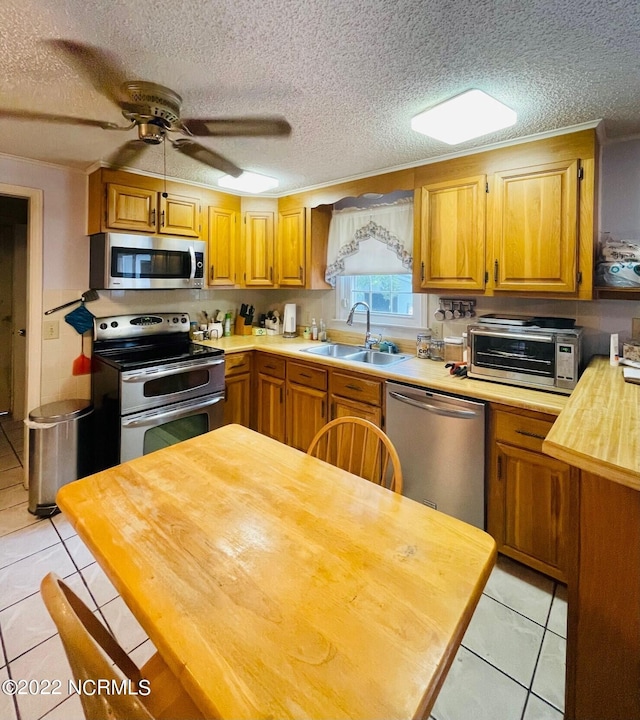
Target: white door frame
33 373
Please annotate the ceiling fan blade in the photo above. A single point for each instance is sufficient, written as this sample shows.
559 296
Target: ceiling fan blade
98 66
46 117
206 156
257 127
127 153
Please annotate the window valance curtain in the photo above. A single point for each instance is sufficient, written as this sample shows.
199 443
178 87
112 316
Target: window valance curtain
374 241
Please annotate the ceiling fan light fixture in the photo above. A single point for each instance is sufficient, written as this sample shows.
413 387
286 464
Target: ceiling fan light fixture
464 117
248 182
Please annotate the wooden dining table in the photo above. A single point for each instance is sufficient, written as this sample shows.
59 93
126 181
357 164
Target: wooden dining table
277 586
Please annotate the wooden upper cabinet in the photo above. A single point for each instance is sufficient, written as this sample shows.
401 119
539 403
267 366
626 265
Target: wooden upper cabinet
125 202
534 239
130 208
179 215
291 248
258 248
452 234
223 246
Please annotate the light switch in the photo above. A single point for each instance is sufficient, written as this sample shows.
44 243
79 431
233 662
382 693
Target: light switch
51 329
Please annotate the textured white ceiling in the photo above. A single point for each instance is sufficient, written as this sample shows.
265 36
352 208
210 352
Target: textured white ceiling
348 75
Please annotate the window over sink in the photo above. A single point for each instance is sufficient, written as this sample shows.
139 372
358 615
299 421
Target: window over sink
389 296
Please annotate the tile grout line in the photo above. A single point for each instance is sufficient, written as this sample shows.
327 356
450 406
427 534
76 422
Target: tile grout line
517 612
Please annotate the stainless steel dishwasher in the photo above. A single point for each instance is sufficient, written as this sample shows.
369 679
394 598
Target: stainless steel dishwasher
440 439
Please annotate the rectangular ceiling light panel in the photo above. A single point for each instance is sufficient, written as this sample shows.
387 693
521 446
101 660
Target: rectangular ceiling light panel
248 182
464 117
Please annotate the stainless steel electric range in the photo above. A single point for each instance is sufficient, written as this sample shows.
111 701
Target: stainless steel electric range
151 386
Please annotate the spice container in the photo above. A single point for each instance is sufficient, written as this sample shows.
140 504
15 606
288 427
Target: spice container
422 345
436 349
453 349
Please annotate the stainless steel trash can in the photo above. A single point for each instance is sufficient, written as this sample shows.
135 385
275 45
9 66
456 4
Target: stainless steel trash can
60 450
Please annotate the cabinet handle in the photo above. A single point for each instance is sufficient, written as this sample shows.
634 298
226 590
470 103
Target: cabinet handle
305 375
153 217
162 219
271 367
526 433
281 394
495 271
499 467
212 276
300 272
322 412
422 272
354 387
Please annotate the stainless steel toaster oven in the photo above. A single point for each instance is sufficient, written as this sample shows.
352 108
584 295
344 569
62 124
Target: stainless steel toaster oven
544 358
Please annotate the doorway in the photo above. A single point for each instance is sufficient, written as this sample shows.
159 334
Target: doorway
14 213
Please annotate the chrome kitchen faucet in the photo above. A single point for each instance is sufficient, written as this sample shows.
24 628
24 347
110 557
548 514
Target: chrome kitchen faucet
369 342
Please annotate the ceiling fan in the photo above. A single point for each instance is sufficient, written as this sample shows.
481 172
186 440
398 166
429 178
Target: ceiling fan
153 109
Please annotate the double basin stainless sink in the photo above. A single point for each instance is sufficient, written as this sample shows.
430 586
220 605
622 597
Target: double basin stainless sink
356 354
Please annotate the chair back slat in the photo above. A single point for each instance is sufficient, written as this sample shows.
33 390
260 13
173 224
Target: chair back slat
360 447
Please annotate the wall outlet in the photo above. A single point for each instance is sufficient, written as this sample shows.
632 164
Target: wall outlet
51 329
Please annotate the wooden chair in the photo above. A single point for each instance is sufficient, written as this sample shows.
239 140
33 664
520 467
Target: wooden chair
92 650
360 447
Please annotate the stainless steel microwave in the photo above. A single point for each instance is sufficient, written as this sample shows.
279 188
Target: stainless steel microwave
541 358
119 261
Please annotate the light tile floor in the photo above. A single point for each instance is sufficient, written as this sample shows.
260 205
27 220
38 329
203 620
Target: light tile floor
510 665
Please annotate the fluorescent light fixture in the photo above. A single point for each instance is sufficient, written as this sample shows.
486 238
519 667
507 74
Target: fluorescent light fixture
248 182
464 117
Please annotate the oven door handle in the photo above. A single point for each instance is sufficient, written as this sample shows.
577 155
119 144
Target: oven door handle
158 416
139 376
192 255
514 336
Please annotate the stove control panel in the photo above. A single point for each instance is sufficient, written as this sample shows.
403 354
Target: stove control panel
120 327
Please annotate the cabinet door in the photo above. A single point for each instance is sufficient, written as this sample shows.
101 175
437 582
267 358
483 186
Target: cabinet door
342 407
452 234
306 414
291 248
179 215
535 228
531 519
130 208
222 245
271 407
258 248
237 407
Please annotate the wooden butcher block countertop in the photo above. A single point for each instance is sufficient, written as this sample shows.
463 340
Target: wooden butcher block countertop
599 429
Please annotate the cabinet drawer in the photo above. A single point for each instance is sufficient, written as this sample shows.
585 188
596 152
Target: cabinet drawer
237 363
356 388
270 365
307 375
526 432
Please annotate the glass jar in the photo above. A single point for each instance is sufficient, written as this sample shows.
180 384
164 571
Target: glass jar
436 349
453 348
422 345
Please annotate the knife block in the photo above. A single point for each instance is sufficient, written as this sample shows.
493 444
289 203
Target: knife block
241 328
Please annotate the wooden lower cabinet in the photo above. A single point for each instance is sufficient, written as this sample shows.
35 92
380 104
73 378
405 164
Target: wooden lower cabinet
270 396
603 634
357 395
530 495
237 408
306 407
